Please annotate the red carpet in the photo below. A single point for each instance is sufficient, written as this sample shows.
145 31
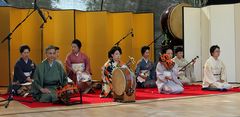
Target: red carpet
142 94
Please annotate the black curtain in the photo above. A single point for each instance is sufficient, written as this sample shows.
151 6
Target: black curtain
214 2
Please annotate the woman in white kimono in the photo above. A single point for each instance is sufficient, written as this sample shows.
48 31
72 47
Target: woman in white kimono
167 81
187 76
215 72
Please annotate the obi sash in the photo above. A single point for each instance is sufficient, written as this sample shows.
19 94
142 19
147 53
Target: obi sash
78 67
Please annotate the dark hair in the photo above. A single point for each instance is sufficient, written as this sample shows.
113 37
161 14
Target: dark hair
164 50
57 48
24 47
49 48
113 50
178 49
77 42
144 49
213 48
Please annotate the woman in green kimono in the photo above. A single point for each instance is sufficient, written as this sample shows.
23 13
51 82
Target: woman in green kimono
49 75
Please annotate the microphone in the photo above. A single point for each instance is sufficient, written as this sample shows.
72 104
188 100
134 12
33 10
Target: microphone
132 34
49 16
39 11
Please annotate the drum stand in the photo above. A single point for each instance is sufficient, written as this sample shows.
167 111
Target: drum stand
124 98
76 102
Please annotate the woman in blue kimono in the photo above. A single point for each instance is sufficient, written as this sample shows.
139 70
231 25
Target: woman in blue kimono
23 71
145 70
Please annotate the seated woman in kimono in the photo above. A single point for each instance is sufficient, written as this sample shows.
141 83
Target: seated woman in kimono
215 77
168 51
167 74
49 75
78 67
114 56
145 70
187 76
23 72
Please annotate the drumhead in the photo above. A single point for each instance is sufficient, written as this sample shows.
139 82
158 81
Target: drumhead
118 81
175 20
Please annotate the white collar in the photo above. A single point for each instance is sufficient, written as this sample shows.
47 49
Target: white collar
51 64
214 58
77 54
26 61
146 60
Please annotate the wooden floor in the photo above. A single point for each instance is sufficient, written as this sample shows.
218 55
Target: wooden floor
204 106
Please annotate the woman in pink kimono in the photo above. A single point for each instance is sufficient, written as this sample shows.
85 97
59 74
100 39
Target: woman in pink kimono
78 65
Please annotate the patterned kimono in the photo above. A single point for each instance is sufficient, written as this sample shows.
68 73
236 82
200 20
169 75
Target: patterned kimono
107 69
81 63
214 71
49 76
165 86
145 68
22 71
187 76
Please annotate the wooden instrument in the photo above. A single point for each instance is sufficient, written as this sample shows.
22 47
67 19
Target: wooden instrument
130 61
25 89
67 92
184 67
124 83
143 76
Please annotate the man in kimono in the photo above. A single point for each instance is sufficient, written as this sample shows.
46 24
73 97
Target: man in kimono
145 70
49 75
167 73
215 77
78 66
23 72
187 76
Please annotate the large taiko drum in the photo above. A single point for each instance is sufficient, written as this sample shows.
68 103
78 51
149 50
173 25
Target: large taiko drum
171 21
123 82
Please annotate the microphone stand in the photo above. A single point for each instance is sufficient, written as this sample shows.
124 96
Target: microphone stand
8 39
130 33
41 28
42 34
155 39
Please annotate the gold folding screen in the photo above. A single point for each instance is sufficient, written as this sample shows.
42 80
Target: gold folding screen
98 31
28 33
59 31
4 29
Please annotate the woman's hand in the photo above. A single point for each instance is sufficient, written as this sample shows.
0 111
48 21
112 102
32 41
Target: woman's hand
45 90
193 62
29 79
222 81
168 78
